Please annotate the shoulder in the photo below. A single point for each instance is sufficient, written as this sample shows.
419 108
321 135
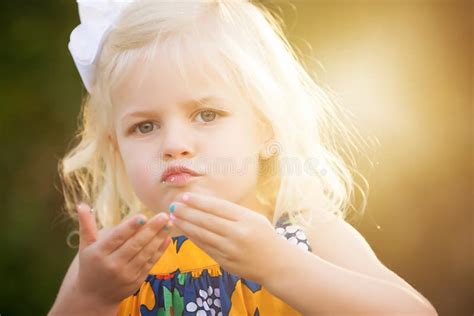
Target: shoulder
338 242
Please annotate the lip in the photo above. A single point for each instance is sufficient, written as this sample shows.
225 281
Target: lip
179 173
179 179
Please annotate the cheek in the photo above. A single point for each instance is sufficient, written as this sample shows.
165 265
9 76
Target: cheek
232 157
237 143
139 170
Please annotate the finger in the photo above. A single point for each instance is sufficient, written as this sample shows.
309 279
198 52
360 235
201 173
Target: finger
136 243
148 250
214 223
199 234
165 244
212 205
215 252
148 265
121 233
87 225
151 253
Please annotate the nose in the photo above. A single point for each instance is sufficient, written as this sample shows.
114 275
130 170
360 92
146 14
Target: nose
177 142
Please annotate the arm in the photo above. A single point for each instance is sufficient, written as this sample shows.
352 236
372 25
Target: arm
353 281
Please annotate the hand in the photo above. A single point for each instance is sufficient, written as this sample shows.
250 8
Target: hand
113 267
242 241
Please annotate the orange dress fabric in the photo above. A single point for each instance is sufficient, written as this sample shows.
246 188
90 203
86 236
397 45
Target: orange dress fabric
187 281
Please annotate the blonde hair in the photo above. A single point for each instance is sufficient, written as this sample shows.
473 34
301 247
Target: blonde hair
244 43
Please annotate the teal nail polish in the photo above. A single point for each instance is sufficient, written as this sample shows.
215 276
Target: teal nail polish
172 207
166 228
140 221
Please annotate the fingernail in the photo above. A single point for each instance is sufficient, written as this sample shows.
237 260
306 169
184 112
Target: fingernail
166 228
172 207
140 220
185 197
172 218
91 210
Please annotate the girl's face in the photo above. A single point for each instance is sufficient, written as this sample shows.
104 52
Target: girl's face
159 123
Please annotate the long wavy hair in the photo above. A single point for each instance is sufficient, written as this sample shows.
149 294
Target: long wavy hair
309 168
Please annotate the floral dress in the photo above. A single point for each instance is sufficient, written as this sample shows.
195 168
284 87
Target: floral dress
187 281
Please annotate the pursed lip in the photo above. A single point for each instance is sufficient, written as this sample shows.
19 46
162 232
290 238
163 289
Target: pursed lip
177 170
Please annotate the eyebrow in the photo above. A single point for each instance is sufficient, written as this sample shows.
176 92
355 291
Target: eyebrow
188 104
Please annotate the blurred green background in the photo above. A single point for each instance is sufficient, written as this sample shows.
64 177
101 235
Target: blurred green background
404 68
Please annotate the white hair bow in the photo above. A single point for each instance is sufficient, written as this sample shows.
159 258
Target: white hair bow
97 18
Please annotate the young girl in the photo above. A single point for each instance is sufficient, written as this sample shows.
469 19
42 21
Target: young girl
210 159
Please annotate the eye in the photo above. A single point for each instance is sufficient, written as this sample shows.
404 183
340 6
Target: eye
144 127
208 115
